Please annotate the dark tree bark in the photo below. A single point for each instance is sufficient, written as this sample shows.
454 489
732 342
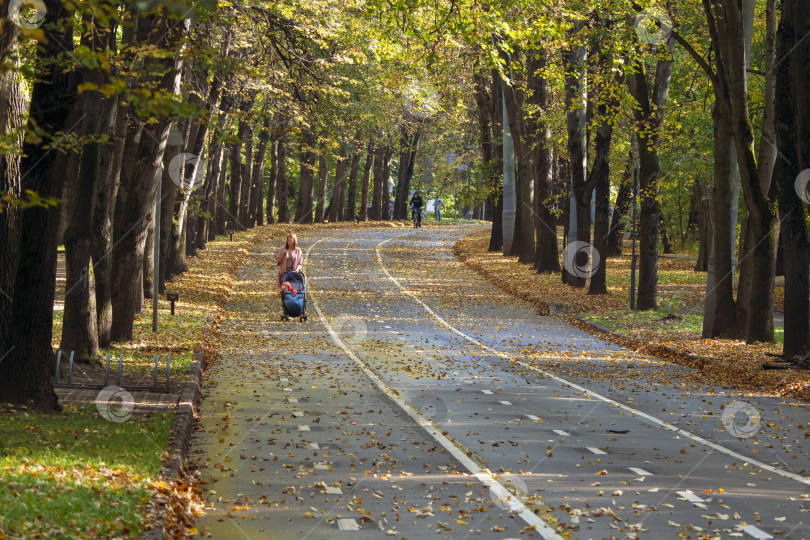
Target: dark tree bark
27 364
272 181
522 128
13 107
386 200
649 117
132 222
376 200
306 193
337 191
220 217
576 158
258 173
793 140
281 181
323 177
351 197
409 144
246 137
80 322
366 179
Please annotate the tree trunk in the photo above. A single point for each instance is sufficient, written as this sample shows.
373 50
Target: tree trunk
573 272
258 173
323 177
366 179
306 194
649 118
234 223
793 140
27 364
272 181
351 198
386 200
281 182
337 192
376 200
131 223
246 137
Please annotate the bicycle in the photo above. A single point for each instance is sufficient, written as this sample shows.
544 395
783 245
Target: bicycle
417 217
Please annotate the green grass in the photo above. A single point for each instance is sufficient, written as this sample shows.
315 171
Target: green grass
75 474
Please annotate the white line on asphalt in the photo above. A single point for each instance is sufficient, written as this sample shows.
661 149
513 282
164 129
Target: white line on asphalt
322 466
595 450
532 417
756 532
284 379
505 402
636 413
561 433
298 414
515 505
303 428
332 490
347 524
292 400
689 496
487 392
314 445
640 472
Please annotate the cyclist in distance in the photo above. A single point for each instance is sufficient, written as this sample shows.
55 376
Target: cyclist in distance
416 209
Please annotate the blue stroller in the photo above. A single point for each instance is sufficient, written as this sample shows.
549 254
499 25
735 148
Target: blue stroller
294 305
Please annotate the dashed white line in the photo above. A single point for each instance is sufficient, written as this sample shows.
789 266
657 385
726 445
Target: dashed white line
532 417
505 402
322 466
487 392
561 433
689 496
635 412
314 446
597 451
292 400
347 524
332 490
298 414
640 472
487 479
756 532
303 428
284 379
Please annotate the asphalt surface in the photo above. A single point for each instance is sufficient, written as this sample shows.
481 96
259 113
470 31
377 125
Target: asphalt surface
419 401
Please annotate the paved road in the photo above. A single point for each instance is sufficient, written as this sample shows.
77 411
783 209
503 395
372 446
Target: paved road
419 402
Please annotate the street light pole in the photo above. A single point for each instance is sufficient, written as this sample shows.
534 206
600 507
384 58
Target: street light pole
156 276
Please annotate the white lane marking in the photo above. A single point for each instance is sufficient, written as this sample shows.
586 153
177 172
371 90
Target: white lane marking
640 472
689 496
332 490
346 524
597 451
322 466
284 379
298 414
486 478
756 532
303 428
505 402
635 412
314 445
487 392
561 433
532 417
287 389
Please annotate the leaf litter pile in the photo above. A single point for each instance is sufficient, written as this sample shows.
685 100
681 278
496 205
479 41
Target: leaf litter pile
725 362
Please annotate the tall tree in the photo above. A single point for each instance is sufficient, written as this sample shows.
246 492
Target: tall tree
26 367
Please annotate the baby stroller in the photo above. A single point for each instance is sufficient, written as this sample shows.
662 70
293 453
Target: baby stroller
294 302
